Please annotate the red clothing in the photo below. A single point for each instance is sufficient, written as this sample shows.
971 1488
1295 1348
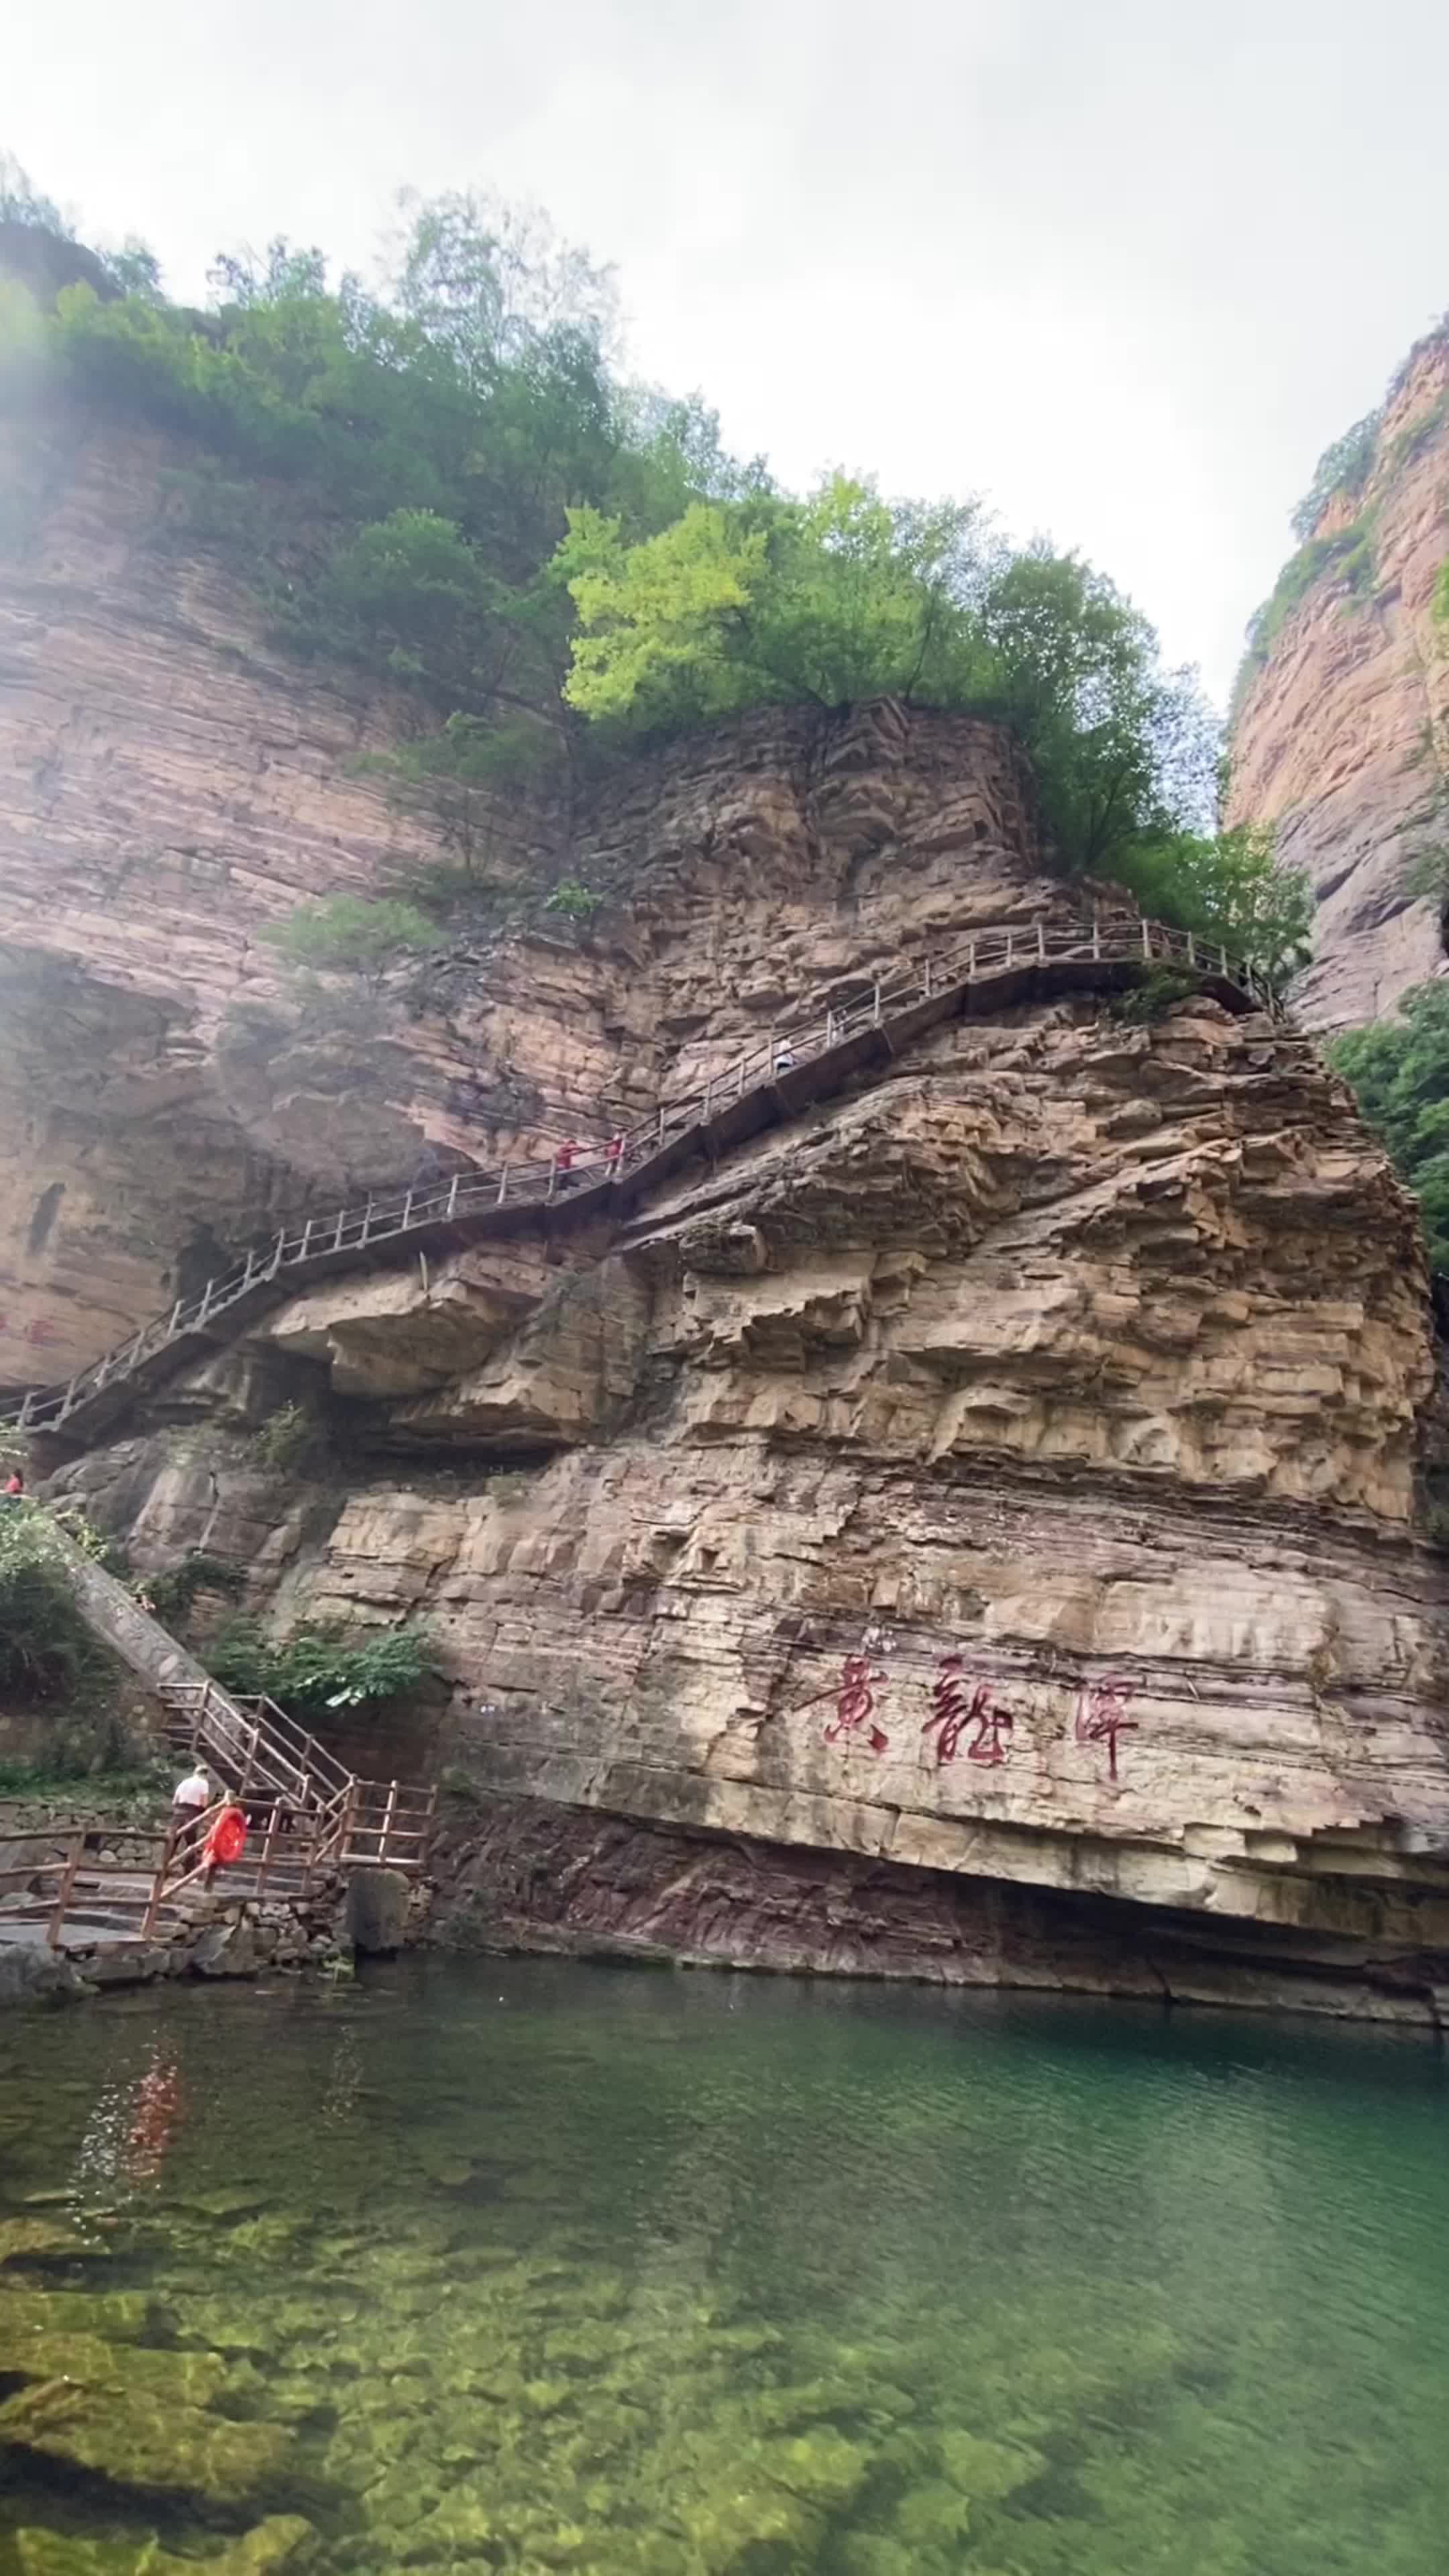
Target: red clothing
564 1158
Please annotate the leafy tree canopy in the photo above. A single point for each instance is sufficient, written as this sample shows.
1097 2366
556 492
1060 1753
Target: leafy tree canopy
1399 1070
461 493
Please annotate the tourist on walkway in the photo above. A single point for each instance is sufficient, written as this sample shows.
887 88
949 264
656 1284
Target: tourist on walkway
784 1057
227 1839
614 1153
193 1793
564 1161
15 1486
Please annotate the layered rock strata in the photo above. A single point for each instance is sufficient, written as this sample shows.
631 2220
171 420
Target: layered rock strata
1007 1471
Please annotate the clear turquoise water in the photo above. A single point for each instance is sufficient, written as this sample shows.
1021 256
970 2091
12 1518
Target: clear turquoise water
530 2266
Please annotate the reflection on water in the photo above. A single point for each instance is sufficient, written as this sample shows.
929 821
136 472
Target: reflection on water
536 2267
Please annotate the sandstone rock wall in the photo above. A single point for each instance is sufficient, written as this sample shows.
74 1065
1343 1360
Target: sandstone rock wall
1343 738
171 782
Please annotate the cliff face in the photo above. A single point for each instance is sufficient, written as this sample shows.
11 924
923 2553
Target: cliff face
169 784
1004 1470
986 1499
1342 739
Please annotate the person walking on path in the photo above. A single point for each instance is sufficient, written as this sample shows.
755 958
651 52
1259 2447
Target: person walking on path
189 1800
15 1486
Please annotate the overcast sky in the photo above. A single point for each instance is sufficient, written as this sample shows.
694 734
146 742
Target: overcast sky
1123 266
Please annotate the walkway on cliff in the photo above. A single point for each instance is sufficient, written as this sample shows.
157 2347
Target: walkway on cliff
997 964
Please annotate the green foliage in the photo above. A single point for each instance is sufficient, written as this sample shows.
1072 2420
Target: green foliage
288 1439
46 1650
847 596
1230 890
1441 593
735 604
170 1596
1343 467
576 902
459 776
1399 1070
1154 996
1416 435
346 934
320 1667
22 203
1348 556
457 493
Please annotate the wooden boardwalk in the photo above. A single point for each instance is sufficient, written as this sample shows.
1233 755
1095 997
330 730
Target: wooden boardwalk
996 966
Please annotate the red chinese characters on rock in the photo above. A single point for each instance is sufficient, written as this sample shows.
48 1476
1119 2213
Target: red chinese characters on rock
1101 1719
855 1705
952 1713
37 1333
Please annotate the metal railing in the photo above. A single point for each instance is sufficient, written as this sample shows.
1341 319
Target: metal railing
512 1187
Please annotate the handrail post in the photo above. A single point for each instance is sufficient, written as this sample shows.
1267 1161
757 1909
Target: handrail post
453 1192
1146 937
1040 941
926 981
389 1814
158 1883
341 1226
175 1319
407 1214
552 1182
63 1892
502 1184
875 1003
306 1239
204 1309
26 1402
251 1264
366 1219
268 1846
1009 935
971 961
1096 932
1191 950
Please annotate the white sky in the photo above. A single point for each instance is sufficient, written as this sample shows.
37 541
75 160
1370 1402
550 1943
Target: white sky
1123 266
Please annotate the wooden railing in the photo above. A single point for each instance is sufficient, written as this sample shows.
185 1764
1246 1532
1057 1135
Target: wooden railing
262 1753
483 1200
111 1885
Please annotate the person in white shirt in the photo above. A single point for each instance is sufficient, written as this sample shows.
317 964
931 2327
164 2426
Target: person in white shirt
191 1794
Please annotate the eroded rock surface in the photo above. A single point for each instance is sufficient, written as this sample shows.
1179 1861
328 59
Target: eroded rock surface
1343 739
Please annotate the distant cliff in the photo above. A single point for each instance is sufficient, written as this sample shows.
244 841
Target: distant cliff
1341 730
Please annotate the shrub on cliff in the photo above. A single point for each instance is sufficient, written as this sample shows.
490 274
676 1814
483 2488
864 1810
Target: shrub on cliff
345 934
1399 1070
320 1667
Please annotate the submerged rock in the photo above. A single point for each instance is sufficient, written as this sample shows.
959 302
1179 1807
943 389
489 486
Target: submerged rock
138 2439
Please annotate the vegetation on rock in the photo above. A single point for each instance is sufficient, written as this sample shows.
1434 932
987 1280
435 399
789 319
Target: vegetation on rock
1346 554
45 1646
345 934
321 1667
1399 1070
463 494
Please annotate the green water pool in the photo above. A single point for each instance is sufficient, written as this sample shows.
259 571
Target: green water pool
531 2266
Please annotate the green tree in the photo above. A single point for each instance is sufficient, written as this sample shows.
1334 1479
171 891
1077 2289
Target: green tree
1399 1070
1231 889
345 934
